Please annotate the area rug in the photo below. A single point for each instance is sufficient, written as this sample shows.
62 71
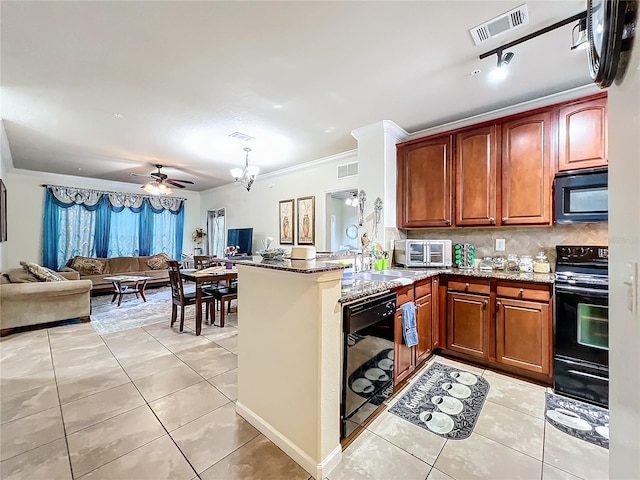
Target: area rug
444 400
107 317
578 419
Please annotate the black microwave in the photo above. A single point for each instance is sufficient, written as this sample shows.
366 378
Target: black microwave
581 196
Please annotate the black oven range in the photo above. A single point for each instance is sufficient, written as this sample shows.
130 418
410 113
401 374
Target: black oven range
581 323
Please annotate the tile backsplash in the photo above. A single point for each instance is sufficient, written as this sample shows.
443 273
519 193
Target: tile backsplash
519 240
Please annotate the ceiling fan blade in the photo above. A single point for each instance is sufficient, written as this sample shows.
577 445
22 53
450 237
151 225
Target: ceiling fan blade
159 175
175 184
181 181
133 174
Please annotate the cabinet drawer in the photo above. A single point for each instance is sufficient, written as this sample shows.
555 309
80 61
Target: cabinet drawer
405 294
525 292
469 286
423 288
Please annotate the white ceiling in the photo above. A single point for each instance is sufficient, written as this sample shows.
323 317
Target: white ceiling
185 75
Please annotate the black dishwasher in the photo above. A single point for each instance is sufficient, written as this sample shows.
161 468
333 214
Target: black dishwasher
367 361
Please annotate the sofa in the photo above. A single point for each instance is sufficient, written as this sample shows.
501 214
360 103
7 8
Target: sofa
28 301
97 269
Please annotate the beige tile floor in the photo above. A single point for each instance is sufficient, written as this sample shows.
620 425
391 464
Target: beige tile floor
151 403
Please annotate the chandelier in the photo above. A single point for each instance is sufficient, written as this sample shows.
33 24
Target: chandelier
156 187
246 176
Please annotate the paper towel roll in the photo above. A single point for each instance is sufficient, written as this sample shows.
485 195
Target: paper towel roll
303 253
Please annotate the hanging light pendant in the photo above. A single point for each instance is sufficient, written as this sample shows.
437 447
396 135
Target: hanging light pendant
247 176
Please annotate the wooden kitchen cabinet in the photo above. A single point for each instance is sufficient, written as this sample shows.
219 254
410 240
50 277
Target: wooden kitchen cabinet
524 326
476 164
526 164
424 312
582 134
468 324
404 357
424 188
403 360
523 331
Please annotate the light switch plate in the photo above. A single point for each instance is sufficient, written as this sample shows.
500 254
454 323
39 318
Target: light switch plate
500 244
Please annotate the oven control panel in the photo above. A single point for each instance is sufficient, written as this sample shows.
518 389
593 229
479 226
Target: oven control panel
581 254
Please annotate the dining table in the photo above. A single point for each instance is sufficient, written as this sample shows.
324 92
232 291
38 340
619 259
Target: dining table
202 277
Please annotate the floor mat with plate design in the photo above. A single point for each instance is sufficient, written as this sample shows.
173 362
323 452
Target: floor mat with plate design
444 400
578 419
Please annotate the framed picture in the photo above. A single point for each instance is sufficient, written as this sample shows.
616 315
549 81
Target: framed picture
3 212
286 224
306 221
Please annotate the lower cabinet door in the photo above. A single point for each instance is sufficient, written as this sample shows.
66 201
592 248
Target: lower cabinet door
424 309
468 324
523 331
403 362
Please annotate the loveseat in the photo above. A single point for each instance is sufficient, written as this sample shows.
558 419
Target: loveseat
97 269
32 302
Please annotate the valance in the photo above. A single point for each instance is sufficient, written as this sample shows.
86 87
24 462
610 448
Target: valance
90 199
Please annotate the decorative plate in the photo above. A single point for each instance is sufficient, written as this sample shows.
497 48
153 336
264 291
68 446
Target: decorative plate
272 253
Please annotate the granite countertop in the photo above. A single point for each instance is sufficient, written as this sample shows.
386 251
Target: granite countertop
286 264
363 288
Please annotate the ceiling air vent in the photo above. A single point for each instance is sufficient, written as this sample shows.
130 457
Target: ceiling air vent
507 21
241 136
348 170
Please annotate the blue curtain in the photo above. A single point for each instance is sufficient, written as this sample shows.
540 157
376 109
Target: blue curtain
124 231
50 232
86 223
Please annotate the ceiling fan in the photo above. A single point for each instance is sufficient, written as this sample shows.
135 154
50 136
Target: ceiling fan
160 178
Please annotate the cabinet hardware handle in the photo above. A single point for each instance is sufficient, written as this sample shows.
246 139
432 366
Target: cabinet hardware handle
492 220
448 222
521 291
466 286
498 305
484 304
504 219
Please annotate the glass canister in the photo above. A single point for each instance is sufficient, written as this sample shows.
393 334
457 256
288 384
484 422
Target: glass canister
499 263
486 264
526 263
541 264
512 263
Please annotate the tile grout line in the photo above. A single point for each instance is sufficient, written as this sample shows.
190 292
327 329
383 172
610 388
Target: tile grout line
64 428
153 412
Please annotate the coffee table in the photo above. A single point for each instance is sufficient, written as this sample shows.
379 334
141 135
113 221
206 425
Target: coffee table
119 289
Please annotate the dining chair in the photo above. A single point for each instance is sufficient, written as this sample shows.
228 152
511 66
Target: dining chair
222 295
180 298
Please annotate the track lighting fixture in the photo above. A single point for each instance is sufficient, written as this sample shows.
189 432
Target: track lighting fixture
578 41
501 71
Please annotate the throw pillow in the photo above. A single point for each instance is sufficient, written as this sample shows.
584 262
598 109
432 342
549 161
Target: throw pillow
88 265
158 261
20 275
43 274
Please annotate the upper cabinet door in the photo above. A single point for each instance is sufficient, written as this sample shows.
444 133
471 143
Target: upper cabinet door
424 183
582 135
527 170
476 179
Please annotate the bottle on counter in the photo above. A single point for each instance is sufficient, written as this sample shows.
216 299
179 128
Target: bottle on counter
541 264
526 264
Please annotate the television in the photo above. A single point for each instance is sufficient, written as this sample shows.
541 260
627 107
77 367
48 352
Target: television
242 238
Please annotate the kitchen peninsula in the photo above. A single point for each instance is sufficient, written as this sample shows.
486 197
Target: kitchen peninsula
290 339
289 347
